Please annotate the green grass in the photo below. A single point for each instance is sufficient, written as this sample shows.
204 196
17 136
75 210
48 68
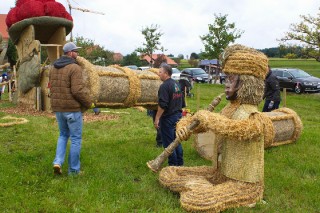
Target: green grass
114 155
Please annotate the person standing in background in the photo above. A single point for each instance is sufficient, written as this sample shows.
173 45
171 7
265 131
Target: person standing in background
271 92
169 112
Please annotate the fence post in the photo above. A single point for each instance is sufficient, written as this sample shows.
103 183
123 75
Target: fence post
284 103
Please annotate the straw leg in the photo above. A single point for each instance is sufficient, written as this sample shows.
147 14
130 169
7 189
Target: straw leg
203 196
175 178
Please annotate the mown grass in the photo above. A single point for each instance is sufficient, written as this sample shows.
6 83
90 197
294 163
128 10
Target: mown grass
114 156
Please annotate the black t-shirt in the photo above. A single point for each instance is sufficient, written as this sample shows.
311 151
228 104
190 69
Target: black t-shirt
170 97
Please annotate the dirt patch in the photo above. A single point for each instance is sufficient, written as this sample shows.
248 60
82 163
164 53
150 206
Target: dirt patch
87 116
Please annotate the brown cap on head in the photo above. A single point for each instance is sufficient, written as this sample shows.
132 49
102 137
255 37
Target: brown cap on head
242 60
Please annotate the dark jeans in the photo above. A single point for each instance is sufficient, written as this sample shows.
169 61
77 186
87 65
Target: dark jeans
168 134
266 104
153 114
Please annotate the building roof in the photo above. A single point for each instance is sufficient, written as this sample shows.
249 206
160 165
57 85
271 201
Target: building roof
208 62
155 56
3 27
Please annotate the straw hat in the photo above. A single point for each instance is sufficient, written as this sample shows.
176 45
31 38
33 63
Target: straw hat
239 59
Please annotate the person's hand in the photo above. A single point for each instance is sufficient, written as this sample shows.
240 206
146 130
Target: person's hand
156 124
183 134
270 106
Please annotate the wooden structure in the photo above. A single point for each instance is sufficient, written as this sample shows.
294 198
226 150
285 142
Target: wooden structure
31 37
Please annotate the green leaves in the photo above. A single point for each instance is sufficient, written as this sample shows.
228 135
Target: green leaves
220 35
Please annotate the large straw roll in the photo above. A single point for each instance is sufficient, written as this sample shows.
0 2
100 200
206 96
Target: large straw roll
287 128
121 87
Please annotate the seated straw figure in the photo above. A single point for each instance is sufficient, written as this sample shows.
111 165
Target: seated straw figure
238 178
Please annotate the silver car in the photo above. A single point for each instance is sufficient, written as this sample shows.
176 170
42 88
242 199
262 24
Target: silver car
175 74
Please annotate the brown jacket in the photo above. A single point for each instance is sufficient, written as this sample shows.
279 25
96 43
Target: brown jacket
68 91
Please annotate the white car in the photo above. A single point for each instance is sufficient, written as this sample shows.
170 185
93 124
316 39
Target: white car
143 68
175 74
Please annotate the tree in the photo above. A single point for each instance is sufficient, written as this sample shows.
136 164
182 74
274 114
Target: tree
131 59
181 56
220 35
193 62
194 56
94 52
152 43
307 33
12 53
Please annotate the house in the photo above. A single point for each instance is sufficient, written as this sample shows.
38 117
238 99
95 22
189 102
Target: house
211 66
155 56
3 32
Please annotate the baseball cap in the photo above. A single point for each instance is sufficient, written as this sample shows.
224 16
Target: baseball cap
70 46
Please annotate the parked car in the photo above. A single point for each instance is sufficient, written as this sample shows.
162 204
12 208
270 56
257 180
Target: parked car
176 74
222 76
133 67
297 80
196 74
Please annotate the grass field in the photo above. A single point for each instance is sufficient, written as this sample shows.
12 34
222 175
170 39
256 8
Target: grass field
114 156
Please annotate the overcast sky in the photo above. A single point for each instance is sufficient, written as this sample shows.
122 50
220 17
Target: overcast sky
182 21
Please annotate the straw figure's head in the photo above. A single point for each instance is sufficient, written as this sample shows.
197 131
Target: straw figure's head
246 69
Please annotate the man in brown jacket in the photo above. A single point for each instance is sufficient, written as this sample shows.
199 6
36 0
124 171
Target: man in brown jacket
68 97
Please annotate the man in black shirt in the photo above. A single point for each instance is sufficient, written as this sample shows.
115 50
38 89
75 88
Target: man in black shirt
169 112
271 93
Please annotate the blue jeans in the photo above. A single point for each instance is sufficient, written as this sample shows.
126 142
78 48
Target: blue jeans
168 134
70 125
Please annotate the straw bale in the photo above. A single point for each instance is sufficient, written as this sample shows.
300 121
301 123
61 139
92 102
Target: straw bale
121 87
148 95
287 126
90 76
111 94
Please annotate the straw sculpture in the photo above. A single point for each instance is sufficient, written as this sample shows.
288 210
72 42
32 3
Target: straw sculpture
241 131
120 87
